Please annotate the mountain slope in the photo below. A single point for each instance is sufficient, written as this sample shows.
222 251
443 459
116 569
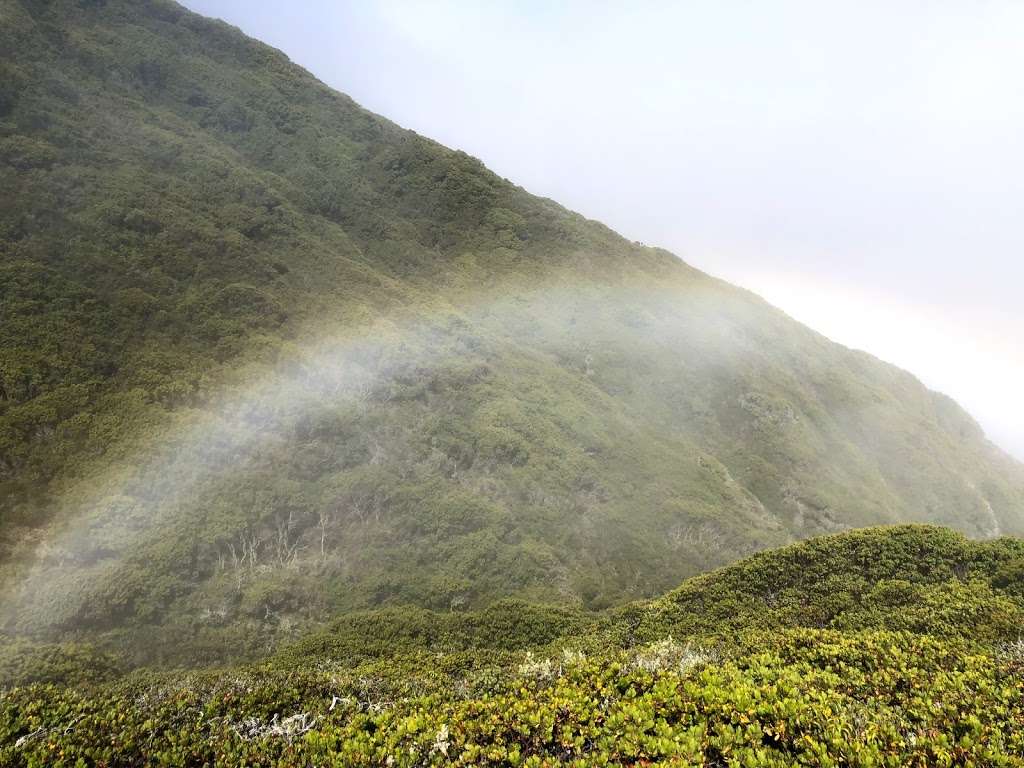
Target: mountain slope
265 356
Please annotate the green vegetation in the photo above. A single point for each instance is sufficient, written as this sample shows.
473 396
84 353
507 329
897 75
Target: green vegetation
320 444
795 675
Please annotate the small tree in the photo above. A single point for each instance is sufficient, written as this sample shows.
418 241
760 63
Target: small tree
324 519
287 548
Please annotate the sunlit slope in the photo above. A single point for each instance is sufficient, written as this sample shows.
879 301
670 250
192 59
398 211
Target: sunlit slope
265 356
912 578
886 646
915 579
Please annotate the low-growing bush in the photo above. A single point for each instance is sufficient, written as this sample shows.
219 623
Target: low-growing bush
807 697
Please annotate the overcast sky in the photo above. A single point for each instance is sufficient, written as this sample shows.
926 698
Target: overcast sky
859 164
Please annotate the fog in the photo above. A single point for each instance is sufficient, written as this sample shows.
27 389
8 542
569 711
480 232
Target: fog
291 468
858 164
169 485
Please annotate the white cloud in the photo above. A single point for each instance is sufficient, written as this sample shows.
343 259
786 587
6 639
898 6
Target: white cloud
966 354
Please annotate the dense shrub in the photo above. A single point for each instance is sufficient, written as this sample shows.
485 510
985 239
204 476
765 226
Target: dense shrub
806 698
924 670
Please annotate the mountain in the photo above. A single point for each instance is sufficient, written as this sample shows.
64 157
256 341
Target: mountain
266 358
894 646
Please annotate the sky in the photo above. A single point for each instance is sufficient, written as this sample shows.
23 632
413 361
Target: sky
858 164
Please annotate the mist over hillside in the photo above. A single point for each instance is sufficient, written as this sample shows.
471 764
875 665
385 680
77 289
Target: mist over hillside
266 357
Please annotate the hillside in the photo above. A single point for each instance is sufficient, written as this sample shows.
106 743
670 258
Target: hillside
911 656
266 357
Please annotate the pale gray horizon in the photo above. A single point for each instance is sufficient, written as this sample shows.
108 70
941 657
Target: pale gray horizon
859 165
